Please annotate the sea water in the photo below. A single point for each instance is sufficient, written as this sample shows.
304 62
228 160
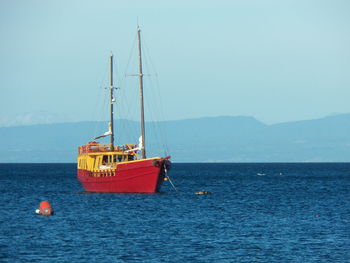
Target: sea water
256 213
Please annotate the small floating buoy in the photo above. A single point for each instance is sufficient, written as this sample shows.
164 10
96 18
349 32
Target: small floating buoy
45 209
166 179
203 193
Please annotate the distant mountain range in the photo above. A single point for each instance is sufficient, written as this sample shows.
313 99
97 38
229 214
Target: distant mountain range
215 139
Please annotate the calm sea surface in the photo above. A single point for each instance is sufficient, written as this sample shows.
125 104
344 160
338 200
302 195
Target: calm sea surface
256 213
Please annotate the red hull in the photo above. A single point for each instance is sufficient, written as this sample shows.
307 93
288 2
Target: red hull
144 176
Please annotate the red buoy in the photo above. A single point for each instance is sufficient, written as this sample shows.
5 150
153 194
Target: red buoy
45 209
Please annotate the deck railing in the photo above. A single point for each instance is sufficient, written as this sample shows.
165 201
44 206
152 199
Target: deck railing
104 147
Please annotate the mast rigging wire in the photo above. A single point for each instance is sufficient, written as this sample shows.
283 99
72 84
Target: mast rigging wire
161 118
100 112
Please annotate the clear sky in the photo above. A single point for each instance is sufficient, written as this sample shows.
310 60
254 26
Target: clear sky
274 60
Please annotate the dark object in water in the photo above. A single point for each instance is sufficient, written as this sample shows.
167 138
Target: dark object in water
203 192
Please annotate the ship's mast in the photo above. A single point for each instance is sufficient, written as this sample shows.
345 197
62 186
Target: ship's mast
143 150
111 101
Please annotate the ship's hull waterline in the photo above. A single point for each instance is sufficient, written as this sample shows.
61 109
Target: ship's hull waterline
142 176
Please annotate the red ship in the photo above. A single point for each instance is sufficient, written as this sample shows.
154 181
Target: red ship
109 168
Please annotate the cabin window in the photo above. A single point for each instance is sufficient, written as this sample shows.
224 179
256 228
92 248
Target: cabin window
130 157
105 159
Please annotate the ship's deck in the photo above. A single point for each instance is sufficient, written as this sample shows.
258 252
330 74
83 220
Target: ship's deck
95 147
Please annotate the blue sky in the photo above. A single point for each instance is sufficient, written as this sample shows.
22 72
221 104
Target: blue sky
274 60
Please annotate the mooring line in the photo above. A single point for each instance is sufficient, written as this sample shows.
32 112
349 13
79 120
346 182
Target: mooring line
166 175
